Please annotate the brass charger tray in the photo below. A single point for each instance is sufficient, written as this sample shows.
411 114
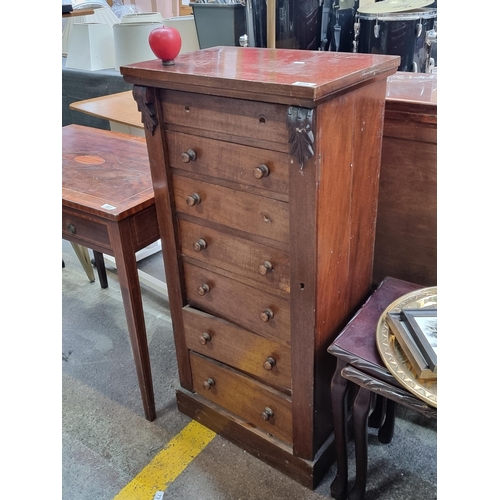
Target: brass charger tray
392 354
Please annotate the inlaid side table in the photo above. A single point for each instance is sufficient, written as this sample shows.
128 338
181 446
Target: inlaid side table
121 111
108 205
359 365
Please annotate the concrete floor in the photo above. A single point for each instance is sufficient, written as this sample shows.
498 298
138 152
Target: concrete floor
107 441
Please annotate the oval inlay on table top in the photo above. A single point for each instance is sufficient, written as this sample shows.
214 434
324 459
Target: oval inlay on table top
89 160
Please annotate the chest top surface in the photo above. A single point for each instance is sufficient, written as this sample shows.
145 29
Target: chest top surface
279 74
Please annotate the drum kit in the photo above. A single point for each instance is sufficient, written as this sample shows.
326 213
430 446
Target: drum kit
405 28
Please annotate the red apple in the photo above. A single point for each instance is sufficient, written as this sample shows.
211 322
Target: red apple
165 42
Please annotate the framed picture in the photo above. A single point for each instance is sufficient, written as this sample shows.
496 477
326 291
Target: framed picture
409 347
422 325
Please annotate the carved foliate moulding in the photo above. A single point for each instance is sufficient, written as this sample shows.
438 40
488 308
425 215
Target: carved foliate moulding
145 98
301 136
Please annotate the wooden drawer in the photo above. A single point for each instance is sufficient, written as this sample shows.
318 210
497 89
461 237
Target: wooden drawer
84 229
246 398
234 117
253 167
253 309
266 265
236 209
241 349
145 227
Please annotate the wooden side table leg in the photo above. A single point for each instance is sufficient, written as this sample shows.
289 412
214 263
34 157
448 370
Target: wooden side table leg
386 432
101 269
83 256
126 267
360 416
338 388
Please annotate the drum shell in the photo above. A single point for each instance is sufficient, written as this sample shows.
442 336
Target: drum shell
420 47
397 36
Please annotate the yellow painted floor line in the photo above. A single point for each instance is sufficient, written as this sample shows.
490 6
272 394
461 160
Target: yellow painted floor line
168 463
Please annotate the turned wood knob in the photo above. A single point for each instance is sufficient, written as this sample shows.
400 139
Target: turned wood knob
267 413
261 171
199 245
269 363
209 383
204 338
72 228
193 199
189 155
203 289
266 315
265 267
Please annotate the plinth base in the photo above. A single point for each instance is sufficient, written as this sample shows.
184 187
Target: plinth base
270 450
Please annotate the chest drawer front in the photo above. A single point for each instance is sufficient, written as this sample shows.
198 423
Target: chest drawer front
239 348
250 400
266 265
84 229
254 167
236 209
236 117
255 310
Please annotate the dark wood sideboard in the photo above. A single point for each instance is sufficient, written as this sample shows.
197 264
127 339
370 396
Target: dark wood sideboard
265 166
406 238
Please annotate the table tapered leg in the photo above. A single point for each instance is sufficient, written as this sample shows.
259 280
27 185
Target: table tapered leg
360 416
338 388
101 269
126 267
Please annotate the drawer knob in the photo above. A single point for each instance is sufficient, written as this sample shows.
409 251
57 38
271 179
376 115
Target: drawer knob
72 228
189 155
266 315
267 413
193 199
209 383
199 245
265 267
261 171
204 338
269 363
203 289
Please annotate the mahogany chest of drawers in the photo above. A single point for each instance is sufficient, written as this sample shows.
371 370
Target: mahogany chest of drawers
265 167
